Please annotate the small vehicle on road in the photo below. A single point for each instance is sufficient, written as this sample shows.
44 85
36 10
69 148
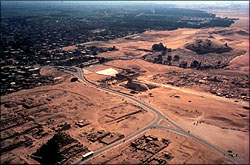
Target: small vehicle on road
89 154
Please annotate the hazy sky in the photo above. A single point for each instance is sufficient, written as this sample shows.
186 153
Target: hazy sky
177 3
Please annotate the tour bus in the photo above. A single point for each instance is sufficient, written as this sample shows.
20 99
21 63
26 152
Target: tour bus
87 155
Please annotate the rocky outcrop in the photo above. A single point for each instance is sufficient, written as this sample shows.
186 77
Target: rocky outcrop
137 86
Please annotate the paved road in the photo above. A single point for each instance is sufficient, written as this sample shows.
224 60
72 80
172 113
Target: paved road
153 125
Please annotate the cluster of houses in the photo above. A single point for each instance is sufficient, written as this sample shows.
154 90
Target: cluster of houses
53 33
15 78
18 69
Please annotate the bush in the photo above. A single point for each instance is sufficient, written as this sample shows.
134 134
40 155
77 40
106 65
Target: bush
73 79
176 58
159 47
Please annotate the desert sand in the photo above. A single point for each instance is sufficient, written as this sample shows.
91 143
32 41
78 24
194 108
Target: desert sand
30 118
221 121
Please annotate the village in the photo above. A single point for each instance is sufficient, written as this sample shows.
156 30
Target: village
20 70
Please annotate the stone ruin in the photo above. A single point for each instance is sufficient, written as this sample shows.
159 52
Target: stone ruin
60 149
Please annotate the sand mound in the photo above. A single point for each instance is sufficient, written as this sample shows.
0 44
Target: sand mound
226 121
230 32
203 46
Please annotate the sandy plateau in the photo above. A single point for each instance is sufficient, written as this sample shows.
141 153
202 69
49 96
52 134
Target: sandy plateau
96 119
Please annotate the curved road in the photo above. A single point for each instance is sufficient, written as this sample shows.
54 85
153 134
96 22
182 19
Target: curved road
154 124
